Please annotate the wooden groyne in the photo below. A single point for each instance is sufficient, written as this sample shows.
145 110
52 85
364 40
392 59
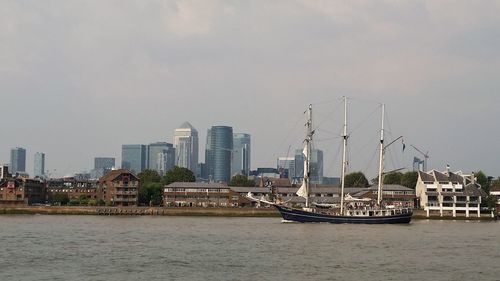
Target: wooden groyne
139 211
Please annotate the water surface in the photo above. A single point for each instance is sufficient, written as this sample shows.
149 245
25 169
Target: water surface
42 247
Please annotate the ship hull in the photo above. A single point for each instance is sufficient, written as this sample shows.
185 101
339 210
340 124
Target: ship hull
297 215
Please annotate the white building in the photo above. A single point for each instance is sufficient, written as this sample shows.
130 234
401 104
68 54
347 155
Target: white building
186 146
449 193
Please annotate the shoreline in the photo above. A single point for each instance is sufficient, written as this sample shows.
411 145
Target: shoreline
185 211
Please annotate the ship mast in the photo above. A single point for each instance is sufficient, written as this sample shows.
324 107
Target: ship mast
307 159
304 188
344 162
381 159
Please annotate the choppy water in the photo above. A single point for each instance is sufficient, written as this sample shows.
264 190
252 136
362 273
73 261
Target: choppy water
204 248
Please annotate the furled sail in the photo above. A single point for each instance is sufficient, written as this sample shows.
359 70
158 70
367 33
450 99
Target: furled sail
303 192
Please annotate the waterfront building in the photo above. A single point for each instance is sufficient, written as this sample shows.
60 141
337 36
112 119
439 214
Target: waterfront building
218 153
316 171
73 189
186 146
197 194
21 191
119 188
495 193
161 157
134 157
448 193
240 164
39 165
17 160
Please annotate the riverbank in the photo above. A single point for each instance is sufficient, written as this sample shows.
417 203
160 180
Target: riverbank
185 211
156 211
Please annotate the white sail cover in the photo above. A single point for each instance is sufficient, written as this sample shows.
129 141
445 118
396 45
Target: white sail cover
303 192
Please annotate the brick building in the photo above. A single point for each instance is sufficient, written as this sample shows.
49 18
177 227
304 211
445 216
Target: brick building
197 194
119 188
22 191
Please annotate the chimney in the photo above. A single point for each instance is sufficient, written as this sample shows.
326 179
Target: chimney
473 178
447 170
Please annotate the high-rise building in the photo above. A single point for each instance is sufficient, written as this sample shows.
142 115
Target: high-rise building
39 165
186 146
241 154
316 170
161 157
102 165
218 153
17 160
286 167
134 157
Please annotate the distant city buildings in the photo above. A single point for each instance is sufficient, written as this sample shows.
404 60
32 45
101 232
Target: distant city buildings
241 154
161 157
17 160
186 147
316 171
218 154
134 157
102 165
39 165
286 167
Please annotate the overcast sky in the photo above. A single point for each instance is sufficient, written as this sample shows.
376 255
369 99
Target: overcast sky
80 78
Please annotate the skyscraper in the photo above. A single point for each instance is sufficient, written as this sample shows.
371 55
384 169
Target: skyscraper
241 154
104 163
218 153
286 167
134 157
17 160
316 170
39 165
186 146
161 157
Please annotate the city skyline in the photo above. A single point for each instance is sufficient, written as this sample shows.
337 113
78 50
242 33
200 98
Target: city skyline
434 64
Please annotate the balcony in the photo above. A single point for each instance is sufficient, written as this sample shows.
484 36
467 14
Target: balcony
121 192
124 199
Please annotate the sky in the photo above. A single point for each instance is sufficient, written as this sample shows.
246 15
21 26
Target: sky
80 78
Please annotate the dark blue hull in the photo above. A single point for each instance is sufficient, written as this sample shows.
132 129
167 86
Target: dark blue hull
298 215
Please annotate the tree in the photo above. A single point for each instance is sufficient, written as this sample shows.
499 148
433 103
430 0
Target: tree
61 198
409 179
393 178
178 174
482 179
356 179
240 180
147 176
151 193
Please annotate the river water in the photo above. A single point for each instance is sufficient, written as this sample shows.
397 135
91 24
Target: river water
40 247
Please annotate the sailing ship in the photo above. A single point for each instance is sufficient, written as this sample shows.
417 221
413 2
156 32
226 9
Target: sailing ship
351 210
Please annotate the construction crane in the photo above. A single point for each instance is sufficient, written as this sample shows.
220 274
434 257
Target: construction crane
426 156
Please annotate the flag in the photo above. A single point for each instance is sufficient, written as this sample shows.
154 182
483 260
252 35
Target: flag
404 145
